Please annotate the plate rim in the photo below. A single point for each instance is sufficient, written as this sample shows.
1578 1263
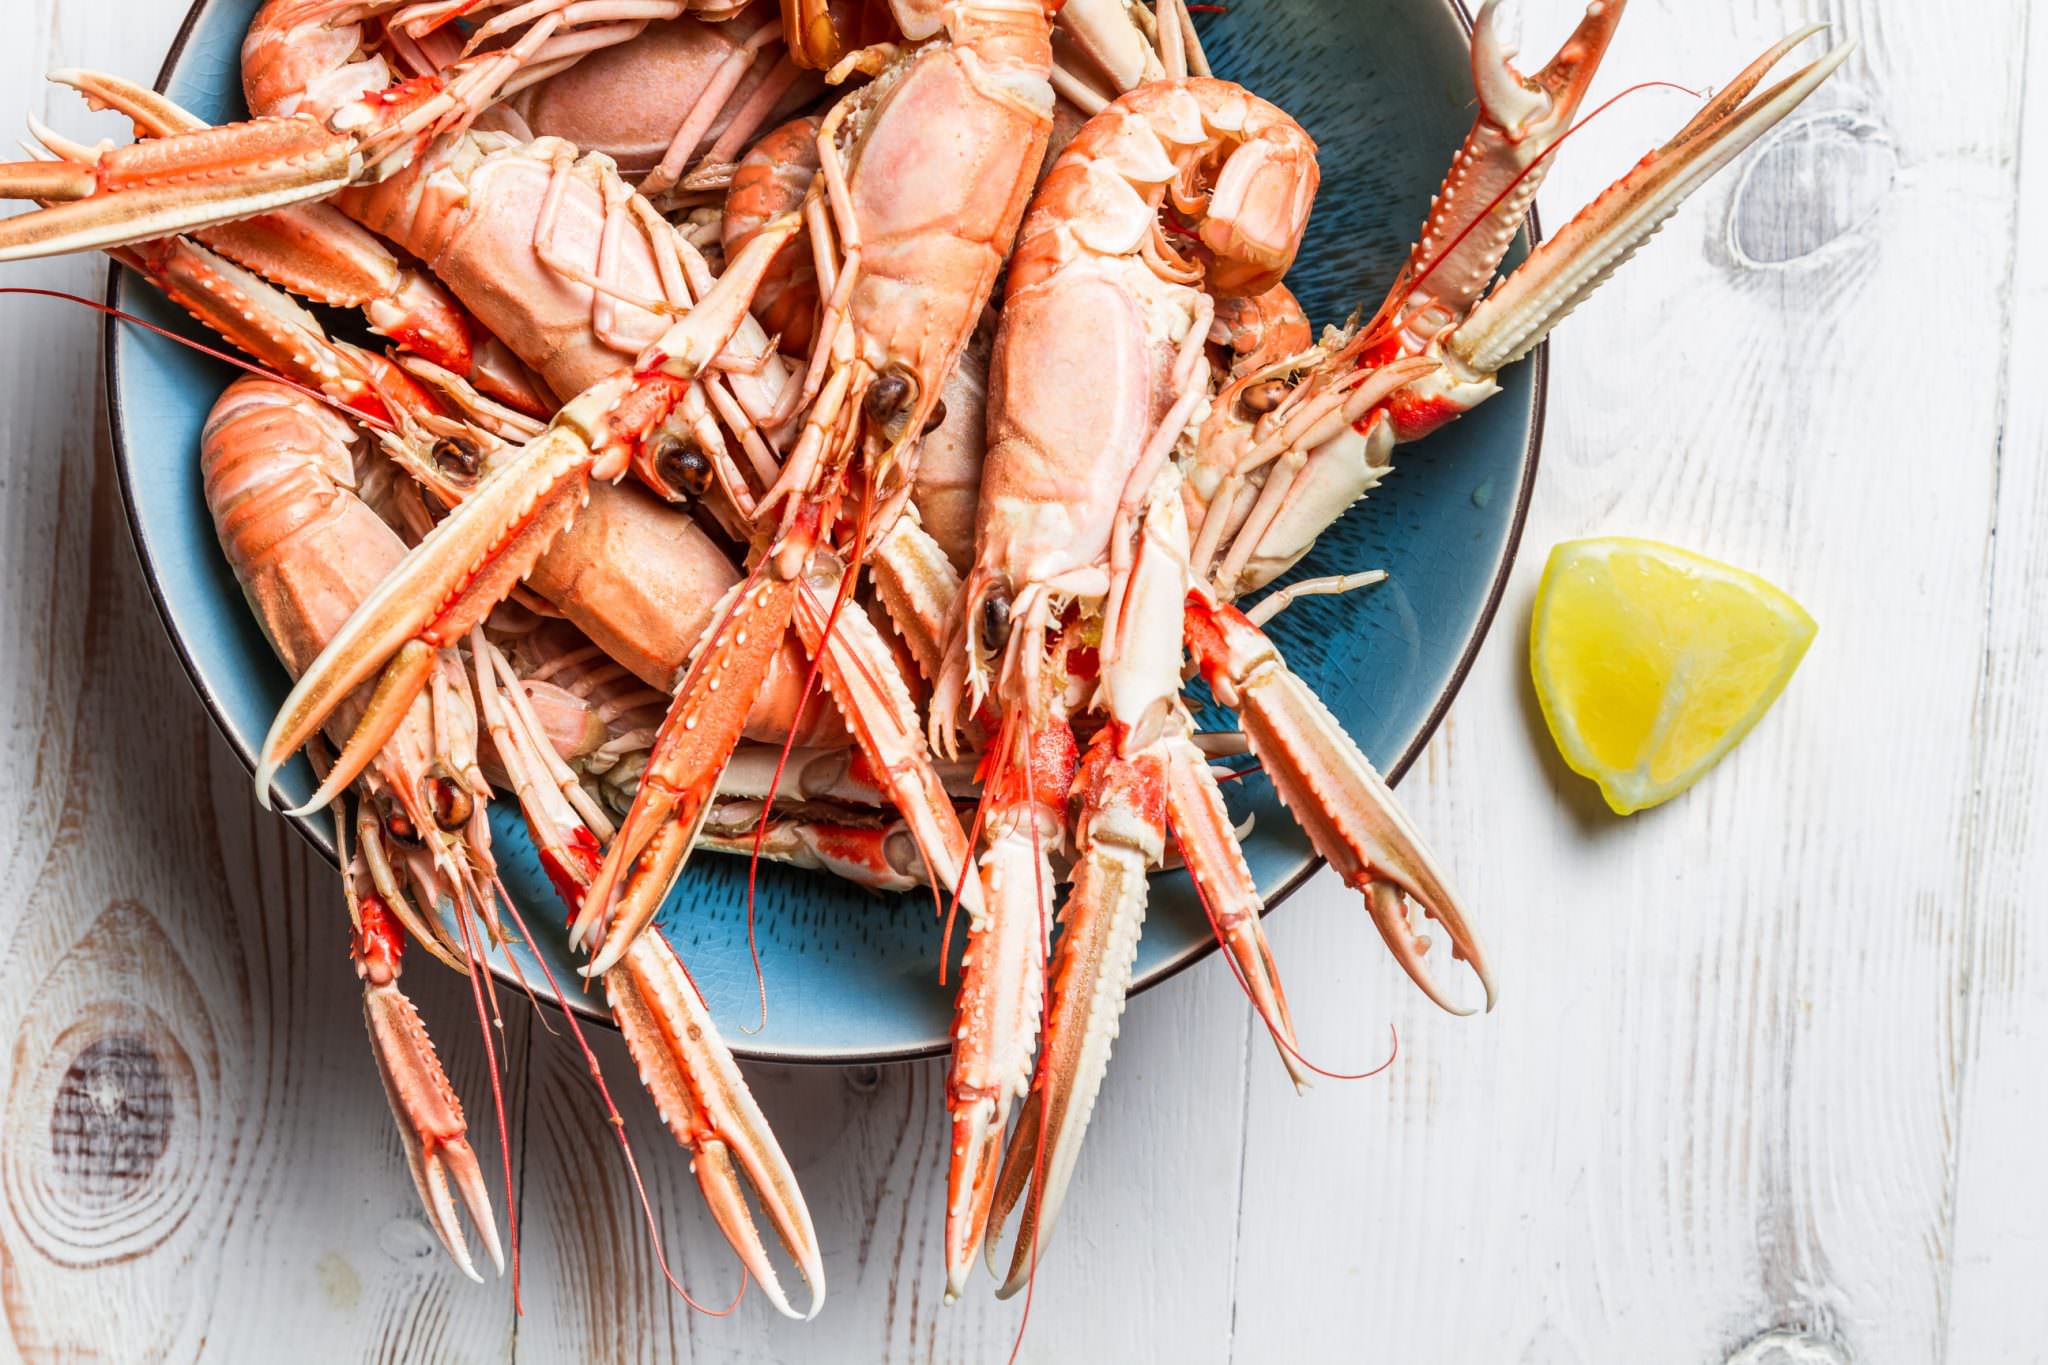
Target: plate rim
308 826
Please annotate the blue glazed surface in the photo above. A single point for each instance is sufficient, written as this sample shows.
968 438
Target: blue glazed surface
1384 87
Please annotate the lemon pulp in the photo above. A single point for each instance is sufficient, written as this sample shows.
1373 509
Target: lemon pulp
1652 662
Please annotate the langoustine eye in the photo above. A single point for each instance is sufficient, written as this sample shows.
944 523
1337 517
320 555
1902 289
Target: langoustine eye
447 797
890 400
457 457
682 465
995 618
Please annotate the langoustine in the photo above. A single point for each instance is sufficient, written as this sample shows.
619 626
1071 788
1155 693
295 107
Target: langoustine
280 474
277 473
1073 605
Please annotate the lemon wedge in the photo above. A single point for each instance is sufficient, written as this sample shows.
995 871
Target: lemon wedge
1652 662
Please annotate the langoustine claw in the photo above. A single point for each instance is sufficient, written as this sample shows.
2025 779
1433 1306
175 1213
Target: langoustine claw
430 1122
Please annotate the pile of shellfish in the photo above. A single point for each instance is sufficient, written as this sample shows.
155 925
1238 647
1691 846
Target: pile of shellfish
838 433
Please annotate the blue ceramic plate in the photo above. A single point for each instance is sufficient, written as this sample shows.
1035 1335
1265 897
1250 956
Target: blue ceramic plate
1384 86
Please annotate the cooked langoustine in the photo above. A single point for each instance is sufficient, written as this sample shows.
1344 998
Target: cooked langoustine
311 249
551 250
278 471
638 577
1102 48
1073 604
566 349
280 474
344 92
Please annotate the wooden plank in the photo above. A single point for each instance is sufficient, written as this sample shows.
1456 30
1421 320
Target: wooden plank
1993 1310
1720 1094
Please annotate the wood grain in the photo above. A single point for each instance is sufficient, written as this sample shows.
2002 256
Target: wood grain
1764 1085
2001 1186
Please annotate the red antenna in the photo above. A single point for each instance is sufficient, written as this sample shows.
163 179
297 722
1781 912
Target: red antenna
225 357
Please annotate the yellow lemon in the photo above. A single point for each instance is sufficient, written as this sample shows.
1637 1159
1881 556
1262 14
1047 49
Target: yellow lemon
1652 662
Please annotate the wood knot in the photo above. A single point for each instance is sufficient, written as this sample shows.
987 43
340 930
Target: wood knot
1816 181
110 1120
1781 1346
114 1105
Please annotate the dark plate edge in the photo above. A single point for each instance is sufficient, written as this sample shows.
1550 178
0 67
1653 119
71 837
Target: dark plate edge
1503 571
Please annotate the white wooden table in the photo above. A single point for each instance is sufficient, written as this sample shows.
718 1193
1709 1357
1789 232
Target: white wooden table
1768 1059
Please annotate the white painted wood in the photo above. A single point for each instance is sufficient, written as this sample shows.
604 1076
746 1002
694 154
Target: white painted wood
2001 1186
1767 1059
